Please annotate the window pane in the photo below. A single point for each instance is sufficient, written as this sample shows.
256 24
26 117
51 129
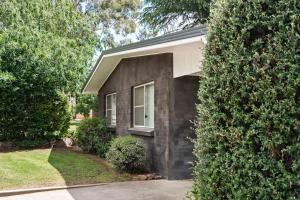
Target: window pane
108 102
149 105
108 117
114 109
139 96
139 116
113 119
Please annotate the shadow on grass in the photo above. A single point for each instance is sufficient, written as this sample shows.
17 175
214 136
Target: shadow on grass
78 168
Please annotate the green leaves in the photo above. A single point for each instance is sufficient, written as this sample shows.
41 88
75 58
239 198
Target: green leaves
168 14
85 103
57 36
6 77
247 144
128 153
46 50
94 136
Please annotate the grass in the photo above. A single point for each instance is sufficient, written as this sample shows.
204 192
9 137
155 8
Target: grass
53 167
73 125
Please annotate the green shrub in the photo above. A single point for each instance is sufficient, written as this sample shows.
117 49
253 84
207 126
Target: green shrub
29 115
94 136
248 135
85 103
73 134
31 144
128 154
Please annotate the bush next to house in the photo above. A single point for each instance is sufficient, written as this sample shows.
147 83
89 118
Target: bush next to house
128 153
248 135
94 136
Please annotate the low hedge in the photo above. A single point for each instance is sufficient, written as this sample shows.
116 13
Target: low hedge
94 136
128 153
31 144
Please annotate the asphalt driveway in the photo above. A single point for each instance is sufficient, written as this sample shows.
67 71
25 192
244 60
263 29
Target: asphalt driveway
136 190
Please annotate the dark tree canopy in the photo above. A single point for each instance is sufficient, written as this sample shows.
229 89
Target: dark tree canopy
173 14
248 135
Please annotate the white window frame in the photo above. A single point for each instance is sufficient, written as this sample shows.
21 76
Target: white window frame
134 106
106 109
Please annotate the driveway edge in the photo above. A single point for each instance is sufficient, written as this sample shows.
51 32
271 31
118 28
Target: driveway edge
44 189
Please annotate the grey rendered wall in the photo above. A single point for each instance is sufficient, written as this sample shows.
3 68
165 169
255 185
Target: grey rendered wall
183 113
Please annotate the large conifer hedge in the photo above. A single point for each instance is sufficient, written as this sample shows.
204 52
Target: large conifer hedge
248 135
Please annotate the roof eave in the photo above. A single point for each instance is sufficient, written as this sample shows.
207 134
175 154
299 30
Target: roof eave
185 34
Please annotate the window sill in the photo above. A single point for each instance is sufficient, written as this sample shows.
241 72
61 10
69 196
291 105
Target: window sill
148 132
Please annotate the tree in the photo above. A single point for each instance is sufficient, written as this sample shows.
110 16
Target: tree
86 103
81 25
174 14
46 49
113 18
248 135
31 104
61 34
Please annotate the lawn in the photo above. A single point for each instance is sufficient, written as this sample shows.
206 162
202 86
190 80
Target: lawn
53 167
73 125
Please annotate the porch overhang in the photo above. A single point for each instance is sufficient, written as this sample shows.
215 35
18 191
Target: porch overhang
187 48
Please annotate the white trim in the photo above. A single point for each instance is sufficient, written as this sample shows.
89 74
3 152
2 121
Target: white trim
147 48
92 75
111 109
140 106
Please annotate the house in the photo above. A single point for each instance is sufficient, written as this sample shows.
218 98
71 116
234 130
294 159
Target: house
149 89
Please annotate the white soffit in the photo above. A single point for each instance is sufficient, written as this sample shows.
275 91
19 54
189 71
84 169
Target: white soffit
187 60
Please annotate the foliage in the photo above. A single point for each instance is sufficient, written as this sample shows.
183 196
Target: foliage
31 143
45 48
166 14
73 125
85 103
248 135
94 136
5 78
31 109
73 134
127 153
113 19
54 32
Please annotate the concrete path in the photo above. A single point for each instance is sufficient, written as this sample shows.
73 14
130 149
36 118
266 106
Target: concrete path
144 190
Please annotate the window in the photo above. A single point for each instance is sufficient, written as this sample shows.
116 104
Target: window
111 111
144 105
